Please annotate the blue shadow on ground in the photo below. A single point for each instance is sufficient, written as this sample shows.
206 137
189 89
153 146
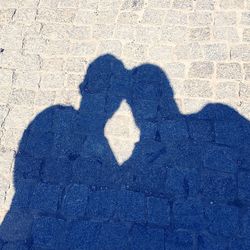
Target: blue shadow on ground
186 185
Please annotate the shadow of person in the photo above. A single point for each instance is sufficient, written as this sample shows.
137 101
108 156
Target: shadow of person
185 185
62 146
198 164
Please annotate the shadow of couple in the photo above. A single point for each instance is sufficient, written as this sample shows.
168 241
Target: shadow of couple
185 185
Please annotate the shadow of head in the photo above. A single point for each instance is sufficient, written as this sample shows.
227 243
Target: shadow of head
152 96
105 84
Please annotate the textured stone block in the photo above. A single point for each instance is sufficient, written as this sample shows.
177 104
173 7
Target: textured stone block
15 246
245 220
6 77
102 204
247 71
201 130
67 4
13 59
225 18
84 17
75 64
245 18
75 201
179 239
181 182
133 5
246 35
163 53
223 220
197 88
131 206
22 97
153 16
188 51
175 70
159 3
158 211
175 17
45 198
82 234
208 241
221 159
245 90
182 4
229 34
229 71
189 214
218 187
112 236
22 116
199 34
16 226
201 70
224 90
200 18
49 64
174 33
232 4
56 15
49 233
205 4
146 238
128 18
148 36
135 51
25 15
82 48
240 53
52 81
173 130
110 46
216 52
6 15
244 190
125 32
102 31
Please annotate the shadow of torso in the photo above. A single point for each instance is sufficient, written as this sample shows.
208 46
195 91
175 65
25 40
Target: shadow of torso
185 185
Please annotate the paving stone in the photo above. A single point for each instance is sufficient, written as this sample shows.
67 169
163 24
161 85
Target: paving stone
221 159
15 246
83 234
218 187
16 226
189 214
102 204
113 235
131 206
201 130
223 220
146 237
158 211
201 70
244 192
216 52
179 239
181 183
208 241
45 198
75 201
49 233
229 71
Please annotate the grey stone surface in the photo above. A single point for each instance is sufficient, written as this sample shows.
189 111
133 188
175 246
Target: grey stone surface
186 183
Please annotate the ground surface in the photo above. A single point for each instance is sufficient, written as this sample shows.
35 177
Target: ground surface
184 184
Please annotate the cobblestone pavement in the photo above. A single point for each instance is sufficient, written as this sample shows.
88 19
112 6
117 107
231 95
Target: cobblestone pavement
185 185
